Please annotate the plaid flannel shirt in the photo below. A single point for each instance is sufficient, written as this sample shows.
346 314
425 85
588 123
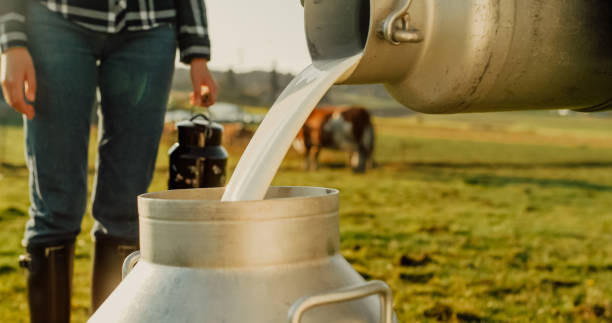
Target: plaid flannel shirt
113 16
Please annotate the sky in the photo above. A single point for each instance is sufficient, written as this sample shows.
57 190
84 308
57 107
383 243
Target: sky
251 35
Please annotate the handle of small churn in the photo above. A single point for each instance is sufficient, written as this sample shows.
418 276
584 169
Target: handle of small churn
344 295
129 263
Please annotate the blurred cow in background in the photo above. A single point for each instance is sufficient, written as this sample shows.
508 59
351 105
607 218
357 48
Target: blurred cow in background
343 128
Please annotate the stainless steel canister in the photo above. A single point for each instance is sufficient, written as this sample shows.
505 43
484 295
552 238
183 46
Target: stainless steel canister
448 56
272 260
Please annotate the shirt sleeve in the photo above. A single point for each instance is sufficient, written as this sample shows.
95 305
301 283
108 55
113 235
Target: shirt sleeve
12 24
192 28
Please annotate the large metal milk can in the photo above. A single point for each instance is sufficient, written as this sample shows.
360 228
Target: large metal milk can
265 261
448 56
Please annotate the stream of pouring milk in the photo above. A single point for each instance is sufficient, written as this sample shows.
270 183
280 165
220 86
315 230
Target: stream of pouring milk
268 147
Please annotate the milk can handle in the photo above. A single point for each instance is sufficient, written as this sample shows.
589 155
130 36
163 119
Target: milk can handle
344 295
396 27
200 115
128 264
208 132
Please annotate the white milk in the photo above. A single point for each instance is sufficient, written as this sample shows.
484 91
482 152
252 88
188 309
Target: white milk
265 152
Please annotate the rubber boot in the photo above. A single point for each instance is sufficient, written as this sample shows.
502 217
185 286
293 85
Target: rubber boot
49 272
108 256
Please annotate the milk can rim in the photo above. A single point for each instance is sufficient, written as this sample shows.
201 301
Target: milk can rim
323 201
152 196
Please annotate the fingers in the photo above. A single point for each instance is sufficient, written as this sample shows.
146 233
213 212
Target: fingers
13 92
208 99
209 96
204 96
196 95
204 99
26 109
213 91
204 86
208 92
17 101
30 84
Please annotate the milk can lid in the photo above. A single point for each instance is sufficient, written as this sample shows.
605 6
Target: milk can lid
199 131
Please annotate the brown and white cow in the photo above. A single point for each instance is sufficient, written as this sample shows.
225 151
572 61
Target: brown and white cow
344 128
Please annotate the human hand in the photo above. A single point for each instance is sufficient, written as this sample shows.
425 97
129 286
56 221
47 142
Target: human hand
16 74
204 87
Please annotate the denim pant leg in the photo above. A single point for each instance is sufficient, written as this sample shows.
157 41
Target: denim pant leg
135 79
58 136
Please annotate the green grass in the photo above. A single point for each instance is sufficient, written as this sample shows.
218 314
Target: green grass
471 218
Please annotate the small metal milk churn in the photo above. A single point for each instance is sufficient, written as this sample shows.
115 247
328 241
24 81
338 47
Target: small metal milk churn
198 159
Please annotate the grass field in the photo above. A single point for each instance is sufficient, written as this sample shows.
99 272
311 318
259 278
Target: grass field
471 218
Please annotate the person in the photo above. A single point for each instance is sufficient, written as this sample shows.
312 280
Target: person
55 54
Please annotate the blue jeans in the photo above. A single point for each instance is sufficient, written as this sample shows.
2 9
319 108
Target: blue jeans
133 71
